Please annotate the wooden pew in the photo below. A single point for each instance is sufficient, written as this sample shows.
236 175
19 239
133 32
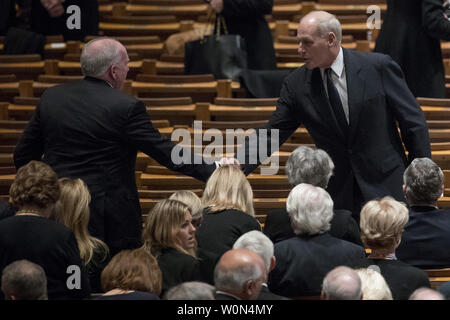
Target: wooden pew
438 277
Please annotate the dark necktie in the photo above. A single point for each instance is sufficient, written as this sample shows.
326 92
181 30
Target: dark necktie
336 103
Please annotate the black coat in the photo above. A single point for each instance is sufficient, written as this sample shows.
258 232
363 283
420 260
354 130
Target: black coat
88 130
372 154
426 239
246 18
48 244
411 34
277 226
303 262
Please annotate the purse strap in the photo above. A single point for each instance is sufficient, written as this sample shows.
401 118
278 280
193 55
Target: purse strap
220 20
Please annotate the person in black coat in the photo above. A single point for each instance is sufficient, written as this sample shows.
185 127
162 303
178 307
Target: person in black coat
176 251
358 126
229 212
426 238
382 223
411 34
32 236
89 129
257 242
246 18
315 167
304 260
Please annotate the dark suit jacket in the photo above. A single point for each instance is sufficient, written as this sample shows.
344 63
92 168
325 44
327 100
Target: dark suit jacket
221 296
265 294
422 24
48 244
303 262
373 153
88 130
246 18
277 226
426 239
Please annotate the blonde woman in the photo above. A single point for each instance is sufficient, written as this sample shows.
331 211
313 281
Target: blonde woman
229 213
170 236
373 285
382 222
194 203
72 210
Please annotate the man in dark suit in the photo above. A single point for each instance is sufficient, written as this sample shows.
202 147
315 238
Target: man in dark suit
239 275
351 114
304 260
314 167
426 238
259 243
90 130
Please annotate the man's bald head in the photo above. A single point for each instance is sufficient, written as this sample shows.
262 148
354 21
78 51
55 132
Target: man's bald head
341 283
99 54
426 294
240 272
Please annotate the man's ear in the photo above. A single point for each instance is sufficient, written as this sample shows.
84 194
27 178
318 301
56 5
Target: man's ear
331 39
273 263
249 288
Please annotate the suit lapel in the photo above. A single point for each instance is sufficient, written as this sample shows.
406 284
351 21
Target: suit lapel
321 102
356 85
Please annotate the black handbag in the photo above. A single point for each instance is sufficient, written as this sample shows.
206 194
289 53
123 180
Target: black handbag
224 55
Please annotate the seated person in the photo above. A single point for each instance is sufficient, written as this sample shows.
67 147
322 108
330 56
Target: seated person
341 283
239 275
373 285
194 204
24 280
192 290
426 294
131 275
72 210
304 260
426 238
315 167
229 212
382 223
170 236
31 235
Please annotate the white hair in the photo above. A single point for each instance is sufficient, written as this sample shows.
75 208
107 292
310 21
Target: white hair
310 209
257 242
192 290
374 286
95 62
342 283
233 279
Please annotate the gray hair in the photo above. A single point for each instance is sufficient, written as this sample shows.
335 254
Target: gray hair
374 286
95 62
423 180
342 283
425 293
310 209
193 290
257 242
233 279
24 280
306 165
326 23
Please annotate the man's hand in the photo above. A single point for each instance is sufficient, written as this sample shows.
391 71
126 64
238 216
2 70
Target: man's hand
53 7
217 5
229 161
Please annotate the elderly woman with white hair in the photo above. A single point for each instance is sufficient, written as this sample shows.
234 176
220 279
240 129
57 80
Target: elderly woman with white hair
382 223
315 167
305 259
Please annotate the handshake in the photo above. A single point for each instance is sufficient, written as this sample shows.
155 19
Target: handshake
53 7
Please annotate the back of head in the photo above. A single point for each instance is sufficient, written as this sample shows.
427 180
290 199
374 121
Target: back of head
382 222
24 280
132 270
35 185
98 55
193 290
342 283
423 181
374 286
190 199
306 165
426 294
310 209
240 272
258 242
162 225
228 188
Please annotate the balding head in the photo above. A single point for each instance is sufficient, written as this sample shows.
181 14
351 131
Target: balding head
106 59
341 283
240 272
426 294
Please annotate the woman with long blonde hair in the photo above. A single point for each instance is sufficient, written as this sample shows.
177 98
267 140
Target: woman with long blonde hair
170 236
72 210
229 212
